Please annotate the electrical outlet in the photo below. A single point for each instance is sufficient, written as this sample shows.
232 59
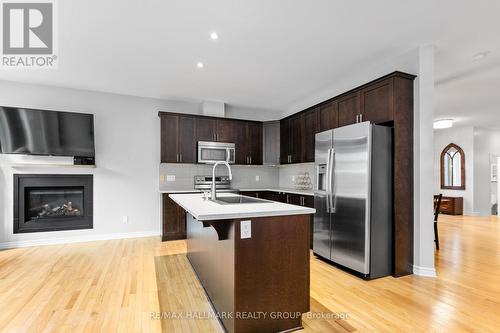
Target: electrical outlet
125 219
257 178
246 229
162 178
170 178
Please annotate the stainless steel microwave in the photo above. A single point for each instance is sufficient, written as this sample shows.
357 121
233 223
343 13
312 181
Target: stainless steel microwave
211 152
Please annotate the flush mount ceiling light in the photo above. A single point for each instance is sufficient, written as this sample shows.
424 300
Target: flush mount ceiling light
480 56
214 36
200 65
443 123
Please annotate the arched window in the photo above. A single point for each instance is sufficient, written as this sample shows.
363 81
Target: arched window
453 168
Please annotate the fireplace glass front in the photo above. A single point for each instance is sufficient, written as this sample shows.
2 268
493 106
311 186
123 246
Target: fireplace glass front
53 202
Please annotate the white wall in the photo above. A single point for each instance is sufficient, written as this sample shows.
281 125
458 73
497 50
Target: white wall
464 137
486 145
127 158
498 190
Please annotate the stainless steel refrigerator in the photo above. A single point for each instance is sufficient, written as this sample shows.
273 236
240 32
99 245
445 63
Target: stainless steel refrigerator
353 198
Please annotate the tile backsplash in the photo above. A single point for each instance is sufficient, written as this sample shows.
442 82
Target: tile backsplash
288 172
243 176
174 176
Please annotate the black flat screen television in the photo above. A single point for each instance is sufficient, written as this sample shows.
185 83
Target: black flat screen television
42 132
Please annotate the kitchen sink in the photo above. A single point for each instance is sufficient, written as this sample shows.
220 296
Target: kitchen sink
238 199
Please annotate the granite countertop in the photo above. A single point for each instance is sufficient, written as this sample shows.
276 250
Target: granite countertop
206 210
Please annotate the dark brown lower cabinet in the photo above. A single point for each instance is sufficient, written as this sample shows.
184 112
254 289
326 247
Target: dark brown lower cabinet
294 199
173 220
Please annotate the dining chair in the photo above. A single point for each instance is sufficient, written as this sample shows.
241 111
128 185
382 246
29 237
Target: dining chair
437 206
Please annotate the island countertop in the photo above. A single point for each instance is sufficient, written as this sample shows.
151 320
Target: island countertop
206 210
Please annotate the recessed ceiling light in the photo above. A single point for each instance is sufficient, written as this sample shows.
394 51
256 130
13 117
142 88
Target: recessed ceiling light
480 56
443 123
199 64
214 36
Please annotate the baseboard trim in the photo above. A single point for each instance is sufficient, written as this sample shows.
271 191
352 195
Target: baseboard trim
77 239
424 271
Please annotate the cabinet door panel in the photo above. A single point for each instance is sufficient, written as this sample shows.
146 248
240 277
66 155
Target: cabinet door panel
285 141
310 130
225 130
328 117
297 138
348 109
187 140
205 129
377 102
241 143
294 199
169 139
174 220
309 201
255 139
254 194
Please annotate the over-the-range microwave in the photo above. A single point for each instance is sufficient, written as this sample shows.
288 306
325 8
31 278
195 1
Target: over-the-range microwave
211 152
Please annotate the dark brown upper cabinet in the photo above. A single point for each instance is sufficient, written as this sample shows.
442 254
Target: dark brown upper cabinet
254 136
452 168
169 139
178 143
285 146
225 130
242 145
349 109
377 102
206 129
187 140
328 116
297 130
214 129
248 142
311 127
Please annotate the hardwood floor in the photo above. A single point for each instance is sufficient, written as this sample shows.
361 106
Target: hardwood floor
125 285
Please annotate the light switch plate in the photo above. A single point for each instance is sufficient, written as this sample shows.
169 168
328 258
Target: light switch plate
170 178
246 229
257 178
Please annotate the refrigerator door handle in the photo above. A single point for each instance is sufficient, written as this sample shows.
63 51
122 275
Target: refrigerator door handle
331 154
327 185
332 182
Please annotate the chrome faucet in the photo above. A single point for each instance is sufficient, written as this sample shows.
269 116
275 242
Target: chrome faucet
213 192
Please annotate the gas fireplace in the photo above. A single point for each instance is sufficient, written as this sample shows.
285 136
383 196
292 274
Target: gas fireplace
52 202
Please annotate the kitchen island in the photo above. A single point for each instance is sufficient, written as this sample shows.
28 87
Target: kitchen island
252 259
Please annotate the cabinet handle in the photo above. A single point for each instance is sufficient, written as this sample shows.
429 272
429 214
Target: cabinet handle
360 117
357 118
180 158
287 199
250 159
177 157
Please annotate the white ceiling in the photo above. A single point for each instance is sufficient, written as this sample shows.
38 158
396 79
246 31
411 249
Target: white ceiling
271 54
